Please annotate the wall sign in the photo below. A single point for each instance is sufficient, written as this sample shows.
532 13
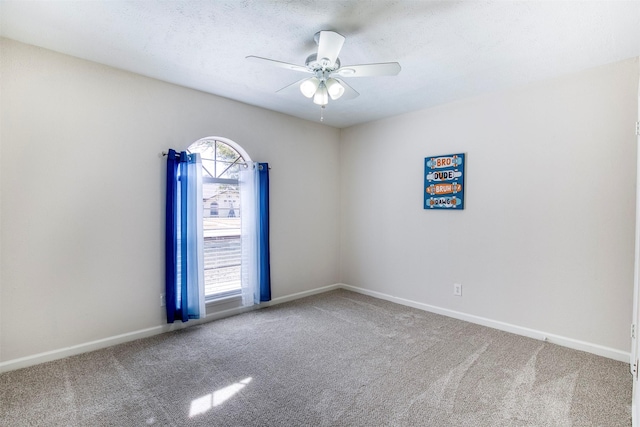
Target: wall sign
444 182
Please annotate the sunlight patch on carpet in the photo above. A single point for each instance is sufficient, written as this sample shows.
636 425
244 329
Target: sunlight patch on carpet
218 397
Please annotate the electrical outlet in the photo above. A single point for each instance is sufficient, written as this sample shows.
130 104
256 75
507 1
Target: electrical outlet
162 300
457 289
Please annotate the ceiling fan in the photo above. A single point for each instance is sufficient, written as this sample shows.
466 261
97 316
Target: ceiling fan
327 71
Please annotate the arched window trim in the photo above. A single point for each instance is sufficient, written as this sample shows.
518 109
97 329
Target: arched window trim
227 141
233 145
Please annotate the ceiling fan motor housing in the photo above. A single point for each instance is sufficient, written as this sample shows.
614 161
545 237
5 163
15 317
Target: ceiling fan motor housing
315 65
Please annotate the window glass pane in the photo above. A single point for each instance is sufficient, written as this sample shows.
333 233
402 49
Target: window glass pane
221 217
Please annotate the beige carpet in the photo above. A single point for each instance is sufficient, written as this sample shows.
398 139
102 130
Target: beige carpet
335 359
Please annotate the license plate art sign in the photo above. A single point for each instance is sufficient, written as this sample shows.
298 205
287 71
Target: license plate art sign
444 182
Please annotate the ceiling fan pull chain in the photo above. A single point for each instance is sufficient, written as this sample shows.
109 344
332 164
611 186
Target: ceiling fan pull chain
322 113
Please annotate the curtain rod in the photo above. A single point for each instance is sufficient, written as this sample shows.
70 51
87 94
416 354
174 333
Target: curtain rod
164 154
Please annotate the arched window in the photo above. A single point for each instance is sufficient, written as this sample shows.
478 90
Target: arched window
221 163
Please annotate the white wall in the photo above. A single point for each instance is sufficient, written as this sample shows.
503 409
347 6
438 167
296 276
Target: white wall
83 195
546 239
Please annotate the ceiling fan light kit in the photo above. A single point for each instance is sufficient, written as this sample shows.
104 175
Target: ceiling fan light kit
321 97
309 86
324 64
336 90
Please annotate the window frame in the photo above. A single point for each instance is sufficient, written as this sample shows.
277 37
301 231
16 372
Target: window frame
215 178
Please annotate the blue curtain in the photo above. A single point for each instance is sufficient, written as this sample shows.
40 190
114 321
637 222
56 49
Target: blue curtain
184 285
264 268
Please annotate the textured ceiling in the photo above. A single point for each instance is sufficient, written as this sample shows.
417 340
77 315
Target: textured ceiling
448 50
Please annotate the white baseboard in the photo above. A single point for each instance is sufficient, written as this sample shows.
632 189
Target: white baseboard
61 353
596 349
299 295
49 356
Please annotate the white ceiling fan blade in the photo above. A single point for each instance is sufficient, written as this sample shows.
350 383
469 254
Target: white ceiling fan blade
280 64
349 92
293 88
329 46
369 70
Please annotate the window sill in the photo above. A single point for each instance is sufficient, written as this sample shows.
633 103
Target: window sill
223 300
